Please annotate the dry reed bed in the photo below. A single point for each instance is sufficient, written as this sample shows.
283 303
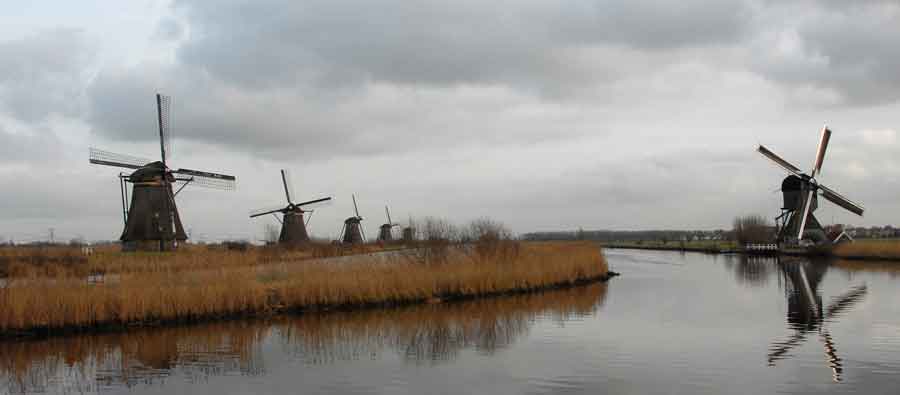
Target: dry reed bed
64 262
424 332
219 291
869 249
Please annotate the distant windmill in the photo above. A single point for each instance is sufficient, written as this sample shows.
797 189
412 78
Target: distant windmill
409 232
800 191
385 232
352 232
293 228
152 221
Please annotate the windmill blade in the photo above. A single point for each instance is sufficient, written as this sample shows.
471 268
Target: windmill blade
820 152
355 208
163 106
288 185
268 210
209 180
839 200
315 203
309 217
107 158
777 159
808 204
388 212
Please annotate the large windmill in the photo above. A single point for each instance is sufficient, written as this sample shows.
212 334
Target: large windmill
385 231
352 232
151 220
293 228
801 190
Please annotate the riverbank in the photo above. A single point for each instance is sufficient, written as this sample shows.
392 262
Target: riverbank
709 247
202 287
866 249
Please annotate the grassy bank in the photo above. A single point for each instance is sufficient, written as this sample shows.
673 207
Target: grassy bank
68 262
423 332
209 285
869 249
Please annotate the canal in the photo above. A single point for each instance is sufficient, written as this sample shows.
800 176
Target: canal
673 323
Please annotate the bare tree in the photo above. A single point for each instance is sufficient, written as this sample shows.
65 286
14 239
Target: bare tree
753 229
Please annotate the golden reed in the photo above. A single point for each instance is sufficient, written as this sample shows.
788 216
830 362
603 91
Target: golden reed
203 285
868 249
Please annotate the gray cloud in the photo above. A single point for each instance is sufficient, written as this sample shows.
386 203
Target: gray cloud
844 49
44 73
434 42
28 148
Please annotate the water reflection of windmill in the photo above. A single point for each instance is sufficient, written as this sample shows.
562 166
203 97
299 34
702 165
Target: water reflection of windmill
151 220
293 228
800 191
806 315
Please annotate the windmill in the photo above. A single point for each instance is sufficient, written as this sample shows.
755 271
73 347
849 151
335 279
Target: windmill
408 233
293 229
151 219
805 314
385 230
352 232
800 191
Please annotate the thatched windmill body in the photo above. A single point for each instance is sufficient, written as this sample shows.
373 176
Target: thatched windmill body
385 231
800 190
352 232
151 218
293 227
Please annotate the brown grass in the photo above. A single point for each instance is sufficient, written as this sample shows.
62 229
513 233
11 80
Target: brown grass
869 249
424 332
157 288
64 262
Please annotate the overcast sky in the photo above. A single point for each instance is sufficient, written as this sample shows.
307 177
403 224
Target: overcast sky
544 115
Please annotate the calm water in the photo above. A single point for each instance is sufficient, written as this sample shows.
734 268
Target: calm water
672 323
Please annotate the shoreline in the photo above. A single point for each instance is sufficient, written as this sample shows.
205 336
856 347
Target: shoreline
202 286
780 252
47 332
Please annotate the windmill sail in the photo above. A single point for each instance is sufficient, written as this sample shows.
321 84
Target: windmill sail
108 158
163 105
208 179
315 203
839 200
820 152
267 210
778 160
288 186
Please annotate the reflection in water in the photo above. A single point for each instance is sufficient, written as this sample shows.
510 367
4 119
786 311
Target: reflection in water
751 270
425 333
433 333
86 363
805 314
